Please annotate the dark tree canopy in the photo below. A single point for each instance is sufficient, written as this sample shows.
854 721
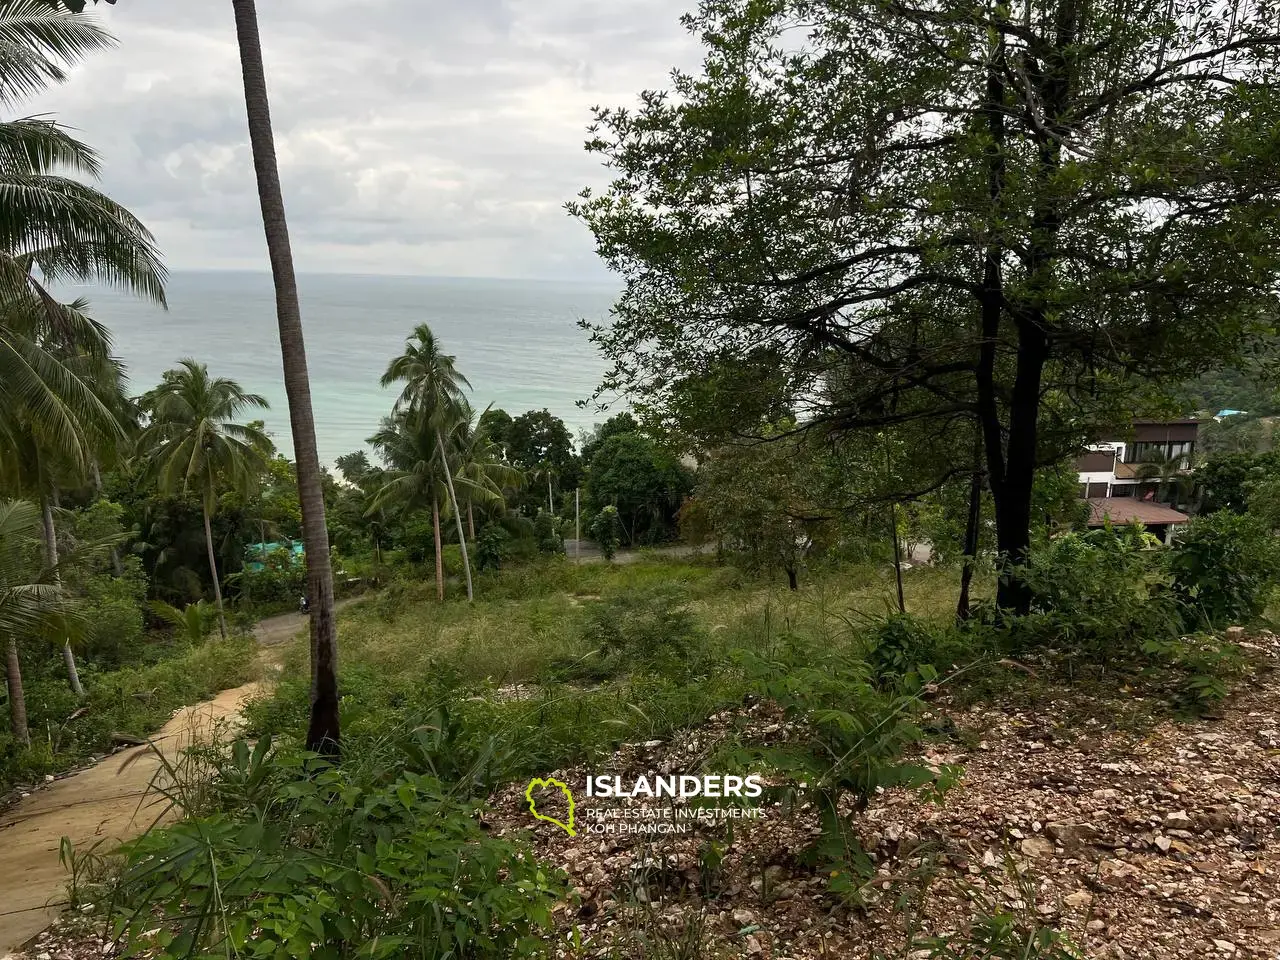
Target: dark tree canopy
496 424
537 440
945 212
644 482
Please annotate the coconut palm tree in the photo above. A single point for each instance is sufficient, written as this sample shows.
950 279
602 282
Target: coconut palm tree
323 729
481 464
194 445
56 226
414 478
1171 477
36 461
31 607
433 398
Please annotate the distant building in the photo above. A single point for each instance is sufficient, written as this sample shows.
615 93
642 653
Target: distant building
1159 520
1223 414
1114 468
1126 480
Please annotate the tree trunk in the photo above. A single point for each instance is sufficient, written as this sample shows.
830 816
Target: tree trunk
1013 503
51 557
17 700
471 522
792 581
213 572
323 729
435 523
551 507
971 531
897 558
457 514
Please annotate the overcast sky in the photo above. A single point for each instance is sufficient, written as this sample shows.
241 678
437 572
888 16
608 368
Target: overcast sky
421 137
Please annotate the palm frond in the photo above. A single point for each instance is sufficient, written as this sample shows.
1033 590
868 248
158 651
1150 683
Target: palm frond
37 41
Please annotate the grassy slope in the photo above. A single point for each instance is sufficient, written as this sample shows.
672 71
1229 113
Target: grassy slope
405 657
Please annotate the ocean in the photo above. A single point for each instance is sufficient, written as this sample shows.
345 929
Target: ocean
517 341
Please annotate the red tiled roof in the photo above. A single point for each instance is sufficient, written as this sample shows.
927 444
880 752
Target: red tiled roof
1121 510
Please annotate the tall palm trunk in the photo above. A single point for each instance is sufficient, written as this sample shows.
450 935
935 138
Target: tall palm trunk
17 701
213 572
51 556
471 522
323 730
435 523
457 514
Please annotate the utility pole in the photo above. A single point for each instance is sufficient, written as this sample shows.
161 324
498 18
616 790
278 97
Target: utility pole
577 526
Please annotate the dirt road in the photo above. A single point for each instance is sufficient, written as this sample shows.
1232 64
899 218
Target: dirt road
104 804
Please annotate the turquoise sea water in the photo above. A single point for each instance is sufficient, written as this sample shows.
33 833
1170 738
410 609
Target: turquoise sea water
517 342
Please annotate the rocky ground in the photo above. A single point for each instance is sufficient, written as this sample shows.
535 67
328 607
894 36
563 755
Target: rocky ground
1159 844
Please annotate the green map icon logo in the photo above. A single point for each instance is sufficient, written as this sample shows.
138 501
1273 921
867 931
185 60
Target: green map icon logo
551 783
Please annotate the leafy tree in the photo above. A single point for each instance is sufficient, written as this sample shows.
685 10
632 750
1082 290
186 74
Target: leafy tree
1226 479
1264 500
32 605
619 423
957 211
762 501
355 467
433 398
1225 568
111 591
195 446
606 530
491 546
539 442
546 532
496 424
644 482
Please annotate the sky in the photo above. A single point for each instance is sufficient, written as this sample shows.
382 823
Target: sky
415 137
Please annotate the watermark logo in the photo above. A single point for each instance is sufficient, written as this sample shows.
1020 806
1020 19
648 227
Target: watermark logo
692 803
551 783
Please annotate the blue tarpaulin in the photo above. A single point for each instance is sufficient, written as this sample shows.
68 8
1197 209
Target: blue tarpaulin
256 552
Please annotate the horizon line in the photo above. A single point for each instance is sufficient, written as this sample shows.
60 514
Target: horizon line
603 282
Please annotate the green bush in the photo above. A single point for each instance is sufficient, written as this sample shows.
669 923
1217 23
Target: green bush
999 936
547 533
1097 594
359 860
1202 668
901 644
652 627
113 611
491 547
606 528
283 577
1225 568
849 742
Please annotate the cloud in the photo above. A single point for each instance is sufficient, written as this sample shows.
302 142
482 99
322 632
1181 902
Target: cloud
433 137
